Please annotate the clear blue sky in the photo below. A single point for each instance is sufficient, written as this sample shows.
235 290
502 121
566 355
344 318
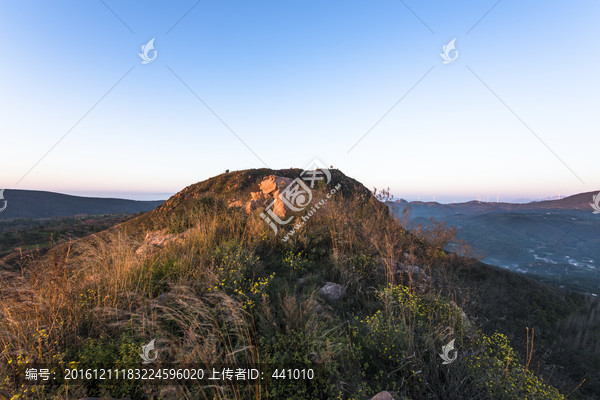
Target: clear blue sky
298 80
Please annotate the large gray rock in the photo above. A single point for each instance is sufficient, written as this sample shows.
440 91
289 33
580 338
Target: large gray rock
382 396
332 291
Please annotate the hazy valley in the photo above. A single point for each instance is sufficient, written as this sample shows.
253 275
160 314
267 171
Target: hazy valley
556 241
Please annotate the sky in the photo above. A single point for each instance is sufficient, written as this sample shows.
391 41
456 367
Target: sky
359 85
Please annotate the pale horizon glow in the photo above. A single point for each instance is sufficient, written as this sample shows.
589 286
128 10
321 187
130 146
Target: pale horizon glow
444 198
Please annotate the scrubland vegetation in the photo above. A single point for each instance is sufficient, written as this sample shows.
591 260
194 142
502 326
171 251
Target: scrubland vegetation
231 291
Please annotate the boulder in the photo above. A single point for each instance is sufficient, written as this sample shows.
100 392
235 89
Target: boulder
332 291
382 396
279 208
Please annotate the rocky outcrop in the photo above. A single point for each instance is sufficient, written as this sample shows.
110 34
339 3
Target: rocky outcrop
273 184
270 188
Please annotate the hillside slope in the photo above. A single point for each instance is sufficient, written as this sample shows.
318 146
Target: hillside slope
349 295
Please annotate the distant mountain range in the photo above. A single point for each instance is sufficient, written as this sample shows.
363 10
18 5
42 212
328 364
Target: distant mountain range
579 201
40 204
557 241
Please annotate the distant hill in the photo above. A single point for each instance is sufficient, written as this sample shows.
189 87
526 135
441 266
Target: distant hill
40 204
580 202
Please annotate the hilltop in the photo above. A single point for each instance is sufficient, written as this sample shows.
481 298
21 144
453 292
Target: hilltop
342 289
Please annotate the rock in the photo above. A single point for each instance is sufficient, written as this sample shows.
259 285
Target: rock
414 271
382 396
279 207
332 291
162 299
259 196
159 239
312 304
410 269
409 257
252 205
270 188
301 281
237 203
273 183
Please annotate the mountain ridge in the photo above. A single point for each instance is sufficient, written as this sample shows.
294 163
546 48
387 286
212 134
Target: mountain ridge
45 204
576 202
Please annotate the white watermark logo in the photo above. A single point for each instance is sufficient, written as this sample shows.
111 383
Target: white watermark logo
596 203
146 359
297 196
446 353
3 202
310 212
447 49
147 48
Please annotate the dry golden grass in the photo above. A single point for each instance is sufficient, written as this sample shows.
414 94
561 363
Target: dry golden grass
99 288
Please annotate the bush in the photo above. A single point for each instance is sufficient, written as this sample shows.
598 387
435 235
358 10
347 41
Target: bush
238 272
495 366
108 353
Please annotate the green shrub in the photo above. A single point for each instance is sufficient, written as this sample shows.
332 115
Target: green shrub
303 351
296 261
237 273
495 366
108 353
